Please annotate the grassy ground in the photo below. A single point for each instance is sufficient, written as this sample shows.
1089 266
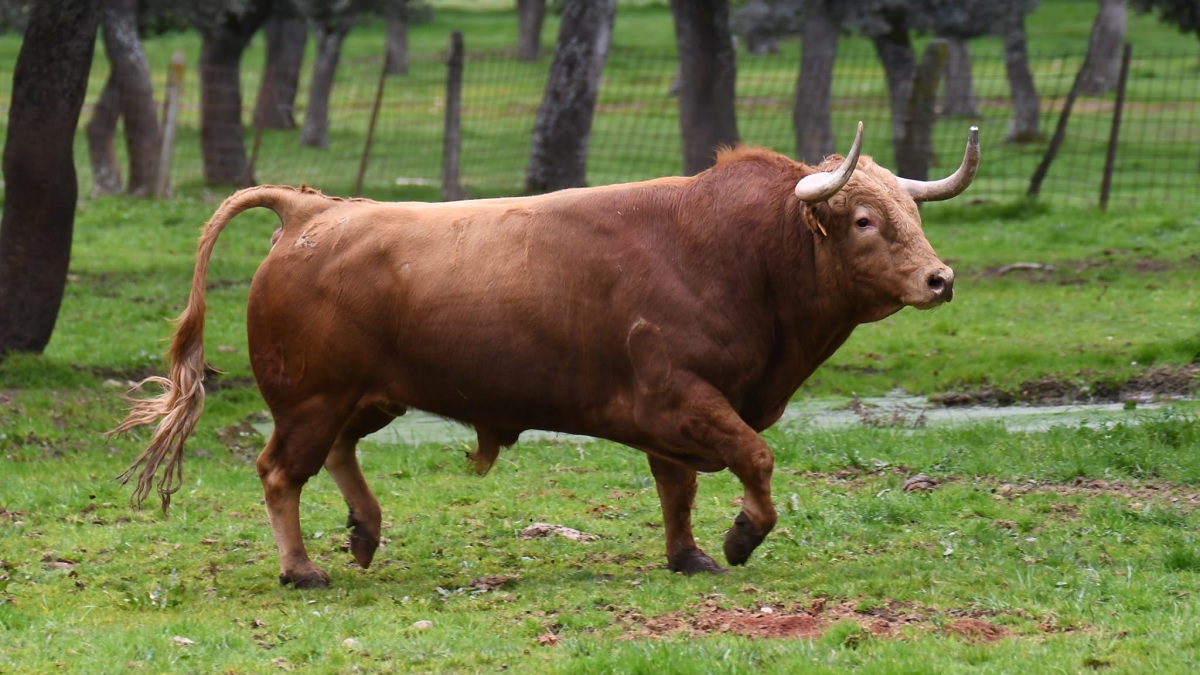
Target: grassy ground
1064 549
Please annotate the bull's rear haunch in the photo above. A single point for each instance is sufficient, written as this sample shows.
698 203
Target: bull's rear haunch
676 316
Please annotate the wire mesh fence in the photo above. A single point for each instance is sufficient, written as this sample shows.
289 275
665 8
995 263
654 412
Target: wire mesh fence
636 129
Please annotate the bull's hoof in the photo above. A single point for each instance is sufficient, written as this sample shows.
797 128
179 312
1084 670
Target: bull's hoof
741 540
315 577
694 561
363 546
482 461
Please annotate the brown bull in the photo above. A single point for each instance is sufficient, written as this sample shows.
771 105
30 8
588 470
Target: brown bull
677 316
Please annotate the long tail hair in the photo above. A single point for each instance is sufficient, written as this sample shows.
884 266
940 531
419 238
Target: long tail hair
178 407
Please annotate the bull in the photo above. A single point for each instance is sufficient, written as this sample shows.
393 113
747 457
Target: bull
677 316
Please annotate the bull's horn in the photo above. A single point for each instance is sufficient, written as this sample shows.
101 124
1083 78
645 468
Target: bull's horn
952 185
817 187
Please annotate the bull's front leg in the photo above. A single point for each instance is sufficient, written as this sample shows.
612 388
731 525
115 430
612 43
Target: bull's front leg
753 464
677 493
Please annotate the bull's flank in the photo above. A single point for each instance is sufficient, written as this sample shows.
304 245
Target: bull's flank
677 316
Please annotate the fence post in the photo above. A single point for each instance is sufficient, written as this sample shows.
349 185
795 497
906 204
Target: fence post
366 153
1110 158
452 132
166 146
1060 133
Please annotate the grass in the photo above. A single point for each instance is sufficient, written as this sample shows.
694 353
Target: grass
1068 548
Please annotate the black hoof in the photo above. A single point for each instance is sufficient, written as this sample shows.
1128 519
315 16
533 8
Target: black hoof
315 579
741 540
694 561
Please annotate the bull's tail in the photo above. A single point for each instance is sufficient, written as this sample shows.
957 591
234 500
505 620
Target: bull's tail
178 407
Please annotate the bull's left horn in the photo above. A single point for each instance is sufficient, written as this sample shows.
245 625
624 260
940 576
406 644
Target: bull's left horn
952 185
817 187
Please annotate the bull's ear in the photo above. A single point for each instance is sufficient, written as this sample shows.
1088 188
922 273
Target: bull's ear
813 215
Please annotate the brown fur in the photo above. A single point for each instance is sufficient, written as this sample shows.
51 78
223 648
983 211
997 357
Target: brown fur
676 316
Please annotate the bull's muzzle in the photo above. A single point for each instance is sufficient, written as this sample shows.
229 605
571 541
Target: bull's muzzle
941 284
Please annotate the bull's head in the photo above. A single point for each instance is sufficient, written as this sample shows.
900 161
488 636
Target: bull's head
872 239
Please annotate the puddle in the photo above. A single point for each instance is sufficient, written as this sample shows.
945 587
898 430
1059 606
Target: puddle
894 410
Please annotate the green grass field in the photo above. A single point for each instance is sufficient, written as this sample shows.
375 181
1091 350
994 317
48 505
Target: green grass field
1068 545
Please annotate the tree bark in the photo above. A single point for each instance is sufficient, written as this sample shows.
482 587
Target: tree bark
329 41
959 97
397 38
286 35
221 133
914 152
101 138
530 16
899 65
812 112
1103 62
707 80
1024 127
558 152
36 228
129 94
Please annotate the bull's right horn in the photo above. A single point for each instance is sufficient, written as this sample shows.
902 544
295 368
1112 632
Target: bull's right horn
817 187
952 185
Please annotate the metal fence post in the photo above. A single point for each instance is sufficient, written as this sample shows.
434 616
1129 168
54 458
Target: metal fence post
1110 158
162 172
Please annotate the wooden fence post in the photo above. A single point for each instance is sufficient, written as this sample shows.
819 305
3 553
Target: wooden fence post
452 132
166 146
366 153
1110 158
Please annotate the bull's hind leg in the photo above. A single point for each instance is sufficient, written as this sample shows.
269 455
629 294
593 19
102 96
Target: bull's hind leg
365 519
677 494
297 449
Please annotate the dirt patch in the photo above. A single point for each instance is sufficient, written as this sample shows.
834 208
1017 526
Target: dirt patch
809 620
214 380
1071 272
1136 494
1171 382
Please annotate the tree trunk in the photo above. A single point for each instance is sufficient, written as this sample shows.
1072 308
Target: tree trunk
286 36
899 66
1103 62
914 152
329 41
530 16
959 97
812 113
558 152
222 138
397 39
101 138
707 80
48 87
1025 123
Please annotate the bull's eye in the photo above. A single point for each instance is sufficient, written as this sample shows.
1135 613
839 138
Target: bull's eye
863 222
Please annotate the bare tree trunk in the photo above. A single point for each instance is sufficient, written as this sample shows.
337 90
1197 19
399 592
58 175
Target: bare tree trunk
959 97
1103 62
286 35
914 152
102 141
1025 123
530 16
128 94
329 51
812 112
899 66
397 38
558 152
707 80
221 133
48 87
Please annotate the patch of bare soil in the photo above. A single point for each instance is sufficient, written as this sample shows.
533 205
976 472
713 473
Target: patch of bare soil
1072 272
1152 384
1136 494
808 620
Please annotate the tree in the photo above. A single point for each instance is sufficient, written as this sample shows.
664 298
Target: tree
396 12
707 80
1025 126
286 35
225 28
530 16
558 152
812 110
1102 65
1183 14
128 94
331 21
49 85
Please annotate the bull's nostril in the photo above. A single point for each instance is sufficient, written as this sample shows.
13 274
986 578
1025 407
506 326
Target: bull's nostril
936 283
